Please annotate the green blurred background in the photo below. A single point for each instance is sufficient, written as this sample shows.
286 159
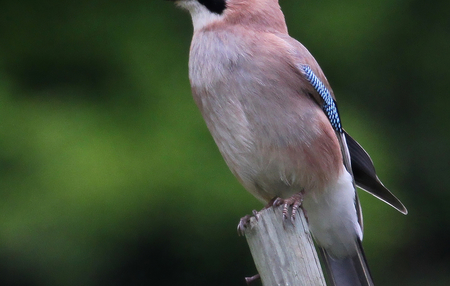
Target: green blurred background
110 177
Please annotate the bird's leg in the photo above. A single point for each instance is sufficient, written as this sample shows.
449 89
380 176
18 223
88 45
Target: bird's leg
245 221
295 202
252 279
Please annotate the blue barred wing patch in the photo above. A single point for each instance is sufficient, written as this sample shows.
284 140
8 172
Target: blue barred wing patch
329 104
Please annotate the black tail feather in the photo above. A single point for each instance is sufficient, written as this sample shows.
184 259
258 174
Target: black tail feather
347 271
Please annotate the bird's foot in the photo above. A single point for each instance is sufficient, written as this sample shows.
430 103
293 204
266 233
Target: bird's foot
252 279
295 202
245 222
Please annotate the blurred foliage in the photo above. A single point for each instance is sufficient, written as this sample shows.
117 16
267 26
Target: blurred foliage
110 177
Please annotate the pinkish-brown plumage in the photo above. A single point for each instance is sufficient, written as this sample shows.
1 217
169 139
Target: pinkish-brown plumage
292 138
267 120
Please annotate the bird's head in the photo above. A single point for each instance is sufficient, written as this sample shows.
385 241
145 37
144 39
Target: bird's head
255 14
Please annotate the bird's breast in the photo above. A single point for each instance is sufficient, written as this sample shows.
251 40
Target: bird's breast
274 138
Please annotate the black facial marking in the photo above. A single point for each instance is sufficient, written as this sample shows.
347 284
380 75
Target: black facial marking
215 6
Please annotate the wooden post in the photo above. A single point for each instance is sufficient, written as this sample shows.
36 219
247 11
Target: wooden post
283 252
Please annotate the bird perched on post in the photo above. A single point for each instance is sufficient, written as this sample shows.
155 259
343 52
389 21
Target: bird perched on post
274 118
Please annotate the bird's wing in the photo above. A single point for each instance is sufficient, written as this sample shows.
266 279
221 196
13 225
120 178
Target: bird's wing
329 107
356 159
366 178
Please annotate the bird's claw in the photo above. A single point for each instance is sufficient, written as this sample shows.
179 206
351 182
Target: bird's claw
245 222
295 202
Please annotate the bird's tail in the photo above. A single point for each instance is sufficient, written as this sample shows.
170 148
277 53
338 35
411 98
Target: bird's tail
347 271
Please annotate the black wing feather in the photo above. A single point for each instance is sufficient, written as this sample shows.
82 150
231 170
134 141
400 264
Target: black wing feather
366 177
